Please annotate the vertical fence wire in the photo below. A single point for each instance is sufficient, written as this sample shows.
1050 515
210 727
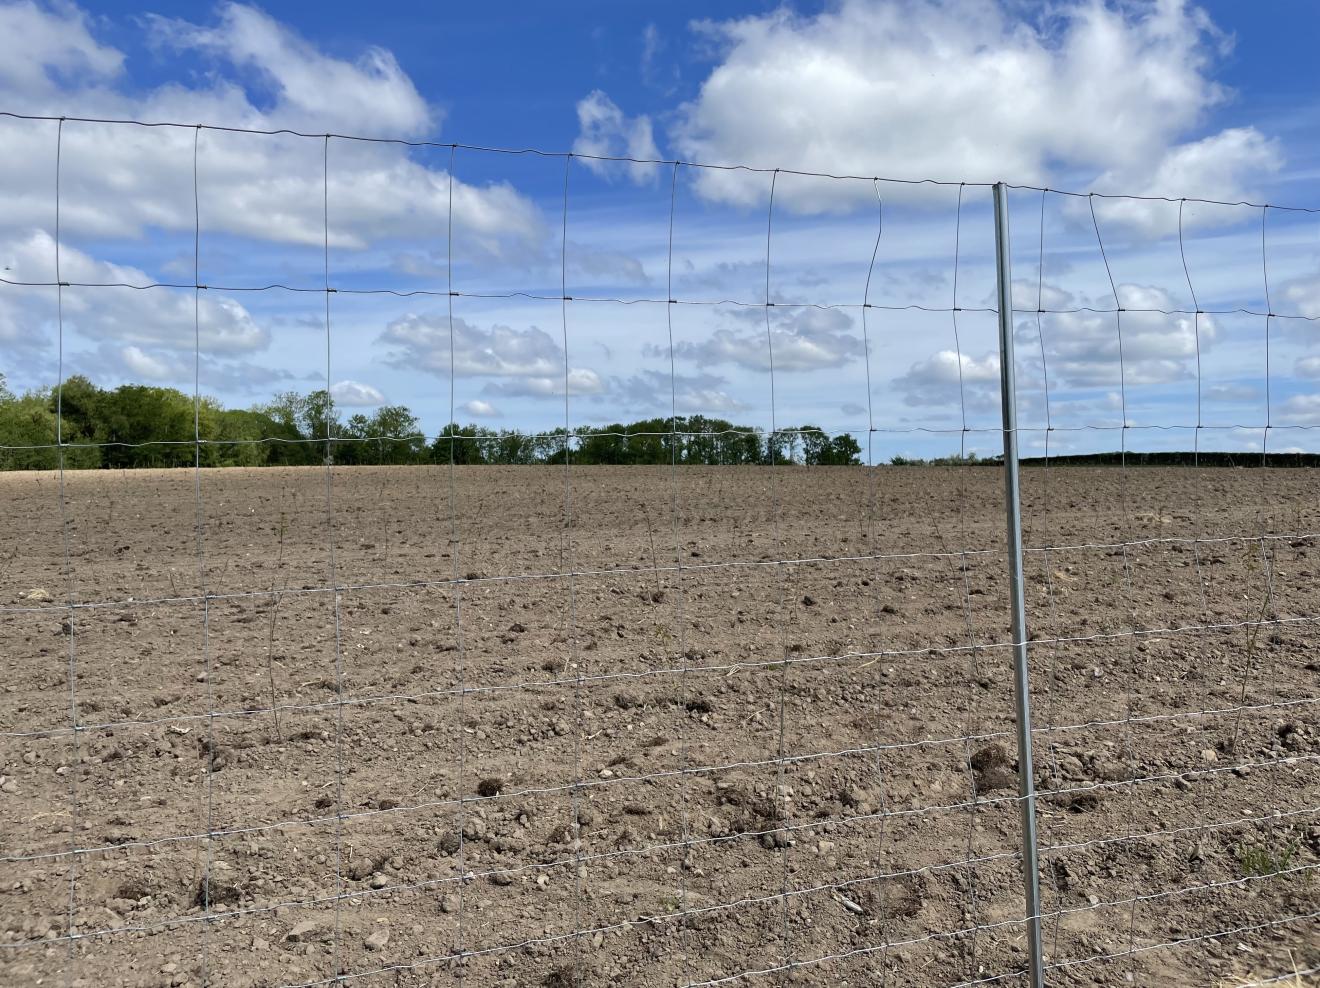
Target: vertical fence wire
685 849
963 563
1052 676
781 803
873 497
455 549
1127 537
207 665
1265 549
567 560
1200 390
334 574
71 591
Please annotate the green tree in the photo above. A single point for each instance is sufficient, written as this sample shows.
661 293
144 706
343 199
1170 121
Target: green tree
398 435
145 427
462 445
27 422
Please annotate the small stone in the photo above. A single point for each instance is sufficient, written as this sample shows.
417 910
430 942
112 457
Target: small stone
378 940
851 906
474 828
449 904
259 944
9 786
1209 755
378 881
303 932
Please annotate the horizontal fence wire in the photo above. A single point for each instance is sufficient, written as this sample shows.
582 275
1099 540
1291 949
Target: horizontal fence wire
731 564
576 436
786 828
627 159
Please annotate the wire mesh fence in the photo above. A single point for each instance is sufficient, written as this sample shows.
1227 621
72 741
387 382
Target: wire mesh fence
680 723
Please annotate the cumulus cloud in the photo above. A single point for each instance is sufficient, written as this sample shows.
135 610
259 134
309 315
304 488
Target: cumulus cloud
150 367
1082 351
109 363
1304 294
43 47
606 131
937 380
481 409
1214 167
123 181
423 341
1082 348
806 339
355 394
521 362
1308 367
371 95
153 317
1301 410
581 381
1082 91
693 393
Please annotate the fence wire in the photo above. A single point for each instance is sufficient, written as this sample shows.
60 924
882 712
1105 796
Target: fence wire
900 881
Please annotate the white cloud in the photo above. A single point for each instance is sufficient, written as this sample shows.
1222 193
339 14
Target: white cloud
355 394
1218 166
1308 367
1301 410
522 362
124 181
977 91
581 381
1304 294
150 367
371 96
604 130
1082 349
937 381
481 409
692 393
41 47
109 365
807 339
423 341
153 317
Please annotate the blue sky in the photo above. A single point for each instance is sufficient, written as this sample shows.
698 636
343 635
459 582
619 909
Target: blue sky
1171 99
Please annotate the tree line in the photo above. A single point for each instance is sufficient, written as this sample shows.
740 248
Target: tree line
137 425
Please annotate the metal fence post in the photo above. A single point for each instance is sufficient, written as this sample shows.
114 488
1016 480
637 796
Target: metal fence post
1013 513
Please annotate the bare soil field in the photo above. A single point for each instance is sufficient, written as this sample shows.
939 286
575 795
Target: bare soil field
649 727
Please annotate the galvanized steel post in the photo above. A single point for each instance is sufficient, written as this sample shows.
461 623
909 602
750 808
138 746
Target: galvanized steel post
1013 512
